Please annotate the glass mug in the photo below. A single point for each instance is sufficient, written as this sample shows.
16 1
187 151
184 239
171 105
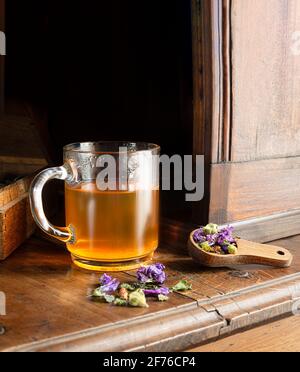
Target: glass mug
112 227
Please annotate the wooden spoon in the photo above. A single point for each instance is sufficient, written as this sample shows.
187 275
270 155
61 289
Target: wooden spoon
248 253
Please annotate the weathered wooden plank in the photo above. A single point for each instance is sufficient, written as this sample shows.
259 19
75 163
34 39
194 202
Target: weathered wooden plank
16 225
12 192
265 79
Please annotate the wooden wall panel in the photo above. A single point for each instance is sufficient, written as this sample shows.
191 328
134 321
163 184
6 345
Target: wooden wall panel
265 79
241 191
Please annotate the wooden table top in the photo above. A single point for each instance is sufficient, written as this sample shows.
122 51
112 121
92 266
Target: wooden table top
282 335
48 308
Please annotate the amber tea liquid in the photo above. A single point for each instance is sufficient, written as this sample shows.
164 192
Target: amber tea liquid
112 227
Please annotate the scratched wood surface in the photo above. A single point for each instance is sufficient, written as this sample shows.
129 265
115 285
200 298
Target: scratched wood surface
48 309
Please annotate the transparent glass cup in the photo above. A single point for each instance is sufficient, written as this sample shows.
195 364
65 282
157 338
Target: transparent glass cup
111 203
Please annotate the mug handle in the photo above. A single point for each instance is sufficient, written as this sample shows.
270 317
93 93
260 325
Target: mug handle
64 234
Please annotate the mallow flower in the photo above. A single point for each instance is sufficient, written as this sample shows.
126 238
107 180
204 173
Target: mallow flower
158 291
152 274
108 284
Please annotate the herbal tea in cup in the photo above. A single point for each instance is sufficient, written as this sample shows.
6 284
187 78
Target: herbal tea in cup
111 203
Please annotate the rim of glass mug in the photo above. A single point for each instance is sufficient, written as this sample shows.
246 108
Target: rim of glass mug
110 147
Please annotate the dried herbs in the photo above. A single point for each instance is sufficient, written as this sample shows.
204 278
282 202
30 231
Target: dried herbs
150 283
213 239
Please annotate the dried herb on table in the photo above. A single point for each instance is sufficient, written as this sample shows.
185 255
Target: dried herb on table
162 298
137 299
108 284
152 274
100 295
164 291
182 286
123 294
150 280
120 302
129 287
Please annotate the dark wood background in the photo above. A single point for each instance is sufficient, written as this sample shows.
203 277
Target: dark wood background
213 77
117 70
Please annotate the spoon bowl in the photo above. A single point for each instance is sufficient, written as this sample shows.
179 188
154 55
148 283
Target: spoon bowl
248 253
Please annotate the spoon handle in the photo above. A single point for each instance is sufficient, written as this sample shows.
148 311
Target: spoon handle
263 254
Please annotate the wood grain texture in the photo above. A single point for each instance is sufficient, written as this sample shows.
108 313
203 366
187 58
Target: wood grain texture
241 191
226 114
17 169
265 229
16 222
220 302
248 253
206 76
212 78
19 138
212 66
14 191
2 28
16 225
280 336
198 80
265 79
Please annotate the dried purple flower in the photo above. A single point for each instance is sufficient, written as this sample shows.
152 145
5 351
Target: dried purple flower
199 236
152 274
212 236
225 236
108 284
225 249
212 239
105 279
155 292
